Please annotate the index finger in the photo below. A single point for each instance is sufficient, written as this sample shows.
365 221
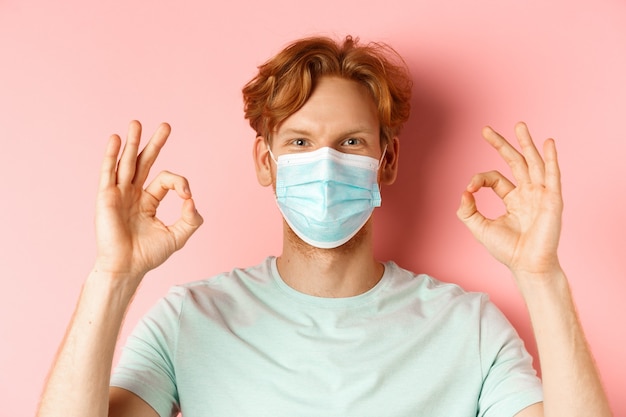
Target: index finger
150 152
511 156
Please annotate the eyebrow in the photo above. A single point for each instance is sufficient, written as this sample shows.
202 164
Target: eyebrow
295 131
305 132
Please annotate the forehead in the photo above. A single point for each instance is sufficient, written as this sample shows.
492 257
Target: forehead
336 105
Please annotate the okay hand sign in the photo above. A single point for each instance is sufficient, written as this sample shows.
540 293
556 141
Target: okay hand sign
526 236
131 240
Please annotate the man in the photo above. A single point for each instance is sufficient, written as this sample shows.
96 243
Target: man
324 328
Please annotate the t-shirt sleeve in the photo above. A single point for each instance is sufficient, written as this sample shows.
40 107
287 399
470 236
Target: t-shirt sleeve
146 366
510 382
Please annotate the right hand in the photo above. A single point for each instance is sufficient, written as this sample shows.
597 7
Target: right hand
131 240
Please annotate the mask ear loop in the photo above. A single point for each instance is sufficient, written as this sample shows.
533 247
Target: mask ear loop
380 161
271 153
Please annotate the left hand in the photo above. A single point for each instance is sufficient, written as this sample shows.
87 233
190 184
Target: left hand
526 237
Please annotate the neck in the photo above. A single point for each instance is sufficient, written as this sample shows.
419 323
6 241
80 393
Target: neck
345 271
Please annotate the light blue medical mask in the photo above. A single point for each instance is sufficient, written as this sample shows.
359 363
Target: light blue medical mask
326 196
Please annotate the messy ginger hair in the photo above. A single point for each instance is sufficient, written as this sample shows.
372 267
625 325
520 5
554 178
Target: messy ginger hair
286 81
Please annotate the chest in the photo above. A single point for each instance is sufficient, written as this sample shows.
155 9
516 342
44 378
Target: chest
263 363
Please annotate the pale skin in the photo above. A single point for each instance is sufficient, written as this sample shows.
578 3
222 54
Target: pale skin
132 241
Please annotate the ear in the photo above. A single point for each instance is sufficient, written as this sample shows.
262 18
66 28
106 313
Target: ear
389 166
262 161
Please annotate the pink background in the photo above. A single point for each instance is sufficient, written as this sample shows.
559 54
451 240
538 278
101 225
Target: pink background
73 72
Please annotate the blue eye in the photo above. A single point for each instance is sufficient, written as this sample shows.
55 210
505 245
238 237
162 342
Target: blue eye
299 142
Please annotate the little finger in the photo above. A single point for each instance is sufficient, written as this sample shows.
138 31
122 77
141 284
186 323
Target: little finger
553 172
109 162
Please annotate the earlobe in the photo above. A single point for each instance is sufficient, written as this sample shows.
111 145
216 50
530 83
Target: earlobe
262 161
389 168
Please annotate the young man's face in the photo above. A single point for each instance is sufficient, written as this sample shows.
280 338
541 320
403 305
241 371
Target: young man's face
340 114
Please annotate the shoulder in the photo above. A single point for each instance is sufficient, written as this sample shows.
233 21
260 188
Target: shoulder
235 277
427 289
222 288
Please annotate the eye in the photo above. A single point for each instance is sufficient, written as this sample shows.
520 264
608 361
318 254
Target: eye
351 142
299 142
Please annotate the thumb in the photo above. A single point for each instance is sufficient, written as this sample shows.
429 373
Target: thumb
189 221
468 213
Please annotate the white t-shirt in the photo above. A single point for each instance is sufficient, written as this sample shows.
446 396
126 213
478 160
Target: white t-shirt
244 343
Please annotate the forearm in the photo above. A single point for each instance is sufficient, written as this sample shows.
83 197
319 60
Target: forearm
571 381
78 384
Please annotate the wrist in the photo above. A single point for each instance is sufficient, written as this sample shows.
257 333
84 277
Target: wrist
121 285
539 273
535 286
